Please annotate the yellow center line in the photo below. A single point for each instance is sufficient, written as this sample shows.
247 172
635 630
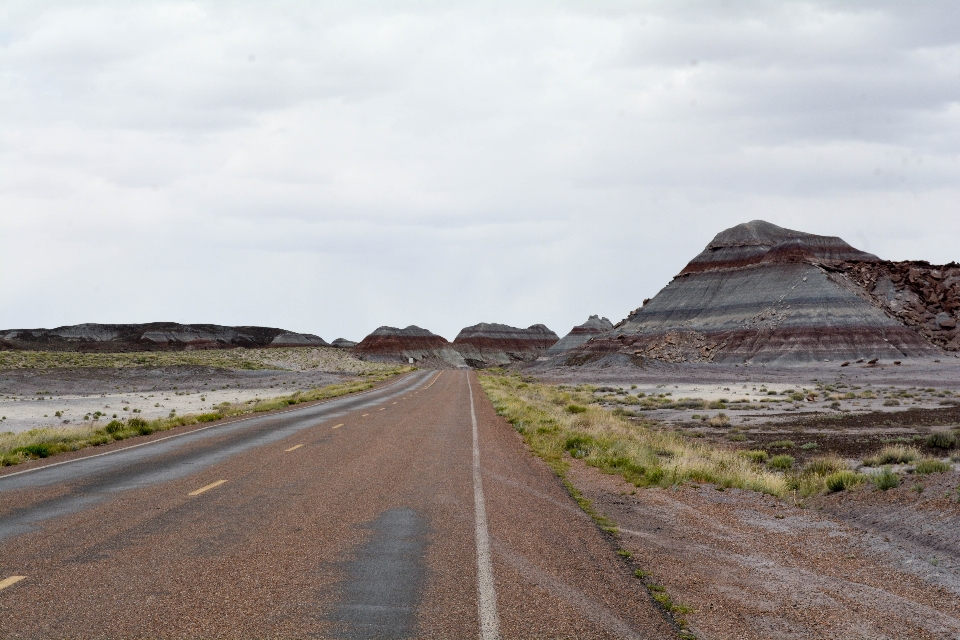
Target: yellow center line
294 447
12 580
384 409
394 403
365 415
337 426
212 485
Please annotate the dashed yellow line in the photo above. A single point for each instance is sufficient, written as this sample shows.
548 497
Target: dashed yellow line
337 426
293 448
394 403
383 409
212 485
364 415
12 580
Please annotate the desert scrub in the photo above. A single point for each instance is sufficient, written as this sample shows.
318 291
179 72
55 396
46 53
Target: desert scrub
931 465
758 455
42 443
941 440
641 455
885 479
842 480
781 463
895 454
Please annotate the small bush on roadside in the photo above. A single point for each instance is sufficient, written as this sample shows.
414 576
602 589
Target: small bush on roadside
576 408
719 420
736 436
781 463
891 402
885 479
809 445
931 465
941 440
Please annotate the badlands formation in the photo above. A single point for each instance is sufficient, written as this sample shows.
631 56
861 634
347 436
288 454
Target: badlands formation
390 344
760 293
491 344
580 334
154 336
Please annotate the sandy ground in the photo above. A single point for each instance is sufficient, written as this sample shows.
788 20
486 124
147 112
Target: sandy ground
31 398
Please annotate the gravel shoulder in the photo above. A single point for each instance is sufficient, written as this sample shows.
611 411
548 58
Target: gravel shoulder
858 565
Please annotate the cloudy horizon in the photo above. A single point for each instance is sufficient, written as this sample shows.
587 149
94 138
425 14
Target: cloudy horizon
330 168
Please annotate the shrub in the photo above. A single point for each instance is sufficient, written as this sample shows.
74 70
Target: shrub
843 480
824 466
891 402
886 479
208 417
720 420
757 455
736 436
782 444
896 454
941 440
809 445
576 408
932 465
782 463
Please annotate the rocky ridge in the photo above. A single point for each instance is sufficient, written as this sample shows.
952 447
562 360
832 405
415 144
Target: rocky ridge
153 336
489 343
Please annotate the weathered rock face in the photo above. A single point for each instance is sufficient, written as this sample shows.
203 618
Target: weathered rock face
343 343
154 336
390 344
760 293
594 326
488 344
922 296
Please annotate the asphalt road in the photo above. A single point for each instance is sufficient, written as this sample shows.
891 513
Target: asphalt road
408 511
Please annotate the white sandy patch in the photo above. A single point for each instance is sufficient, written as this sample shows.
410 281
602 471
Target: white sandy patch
24 413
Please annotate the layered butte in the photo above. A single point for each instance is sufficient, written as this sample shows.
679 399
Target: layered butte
761 293
488 343
390 344
154 336
580 334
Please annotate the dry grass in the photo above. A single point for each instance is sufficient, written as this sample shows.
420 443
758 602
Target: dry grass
642 455
42 443
894 454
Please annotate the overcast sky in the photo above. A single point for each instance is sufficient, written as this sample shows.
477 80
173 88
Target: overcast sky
333 167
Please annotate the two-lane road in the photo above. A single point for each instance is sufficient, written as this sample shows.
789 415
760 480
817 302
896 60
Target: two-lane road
407 511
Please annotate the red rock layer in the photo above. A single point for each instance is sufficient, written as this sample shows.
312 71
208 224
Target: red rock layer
390 344
490 343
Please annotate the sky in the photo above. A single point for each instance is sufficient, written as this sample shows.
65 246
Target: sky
332 167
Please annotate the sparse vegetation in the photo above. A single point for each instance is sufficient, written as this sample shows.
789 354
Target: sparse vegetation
782 444
885 479
642 455
931 465
941 440
842 480
781 463
895 454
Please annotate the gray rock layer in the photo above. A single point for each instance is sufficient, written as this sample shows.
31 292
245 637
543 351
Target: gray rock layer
580 334
390 344
489 343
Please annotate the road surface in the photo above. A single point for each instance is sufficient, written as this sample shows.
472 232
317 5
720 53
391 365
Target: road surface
411 510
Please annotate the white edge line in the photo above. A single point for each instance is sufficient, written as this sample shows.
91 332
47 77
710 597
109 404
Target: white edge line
177 435
486 588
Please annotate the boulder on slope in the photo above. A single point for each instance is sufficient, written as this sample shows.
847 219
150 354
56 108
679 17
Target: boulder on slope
594 326
488 343
761 293
153 336
390 344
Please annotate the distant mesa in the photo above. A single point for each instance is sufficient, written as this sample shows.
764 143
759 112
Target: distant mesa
594 326
153 336
759 293
343 343
489 344
390 344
